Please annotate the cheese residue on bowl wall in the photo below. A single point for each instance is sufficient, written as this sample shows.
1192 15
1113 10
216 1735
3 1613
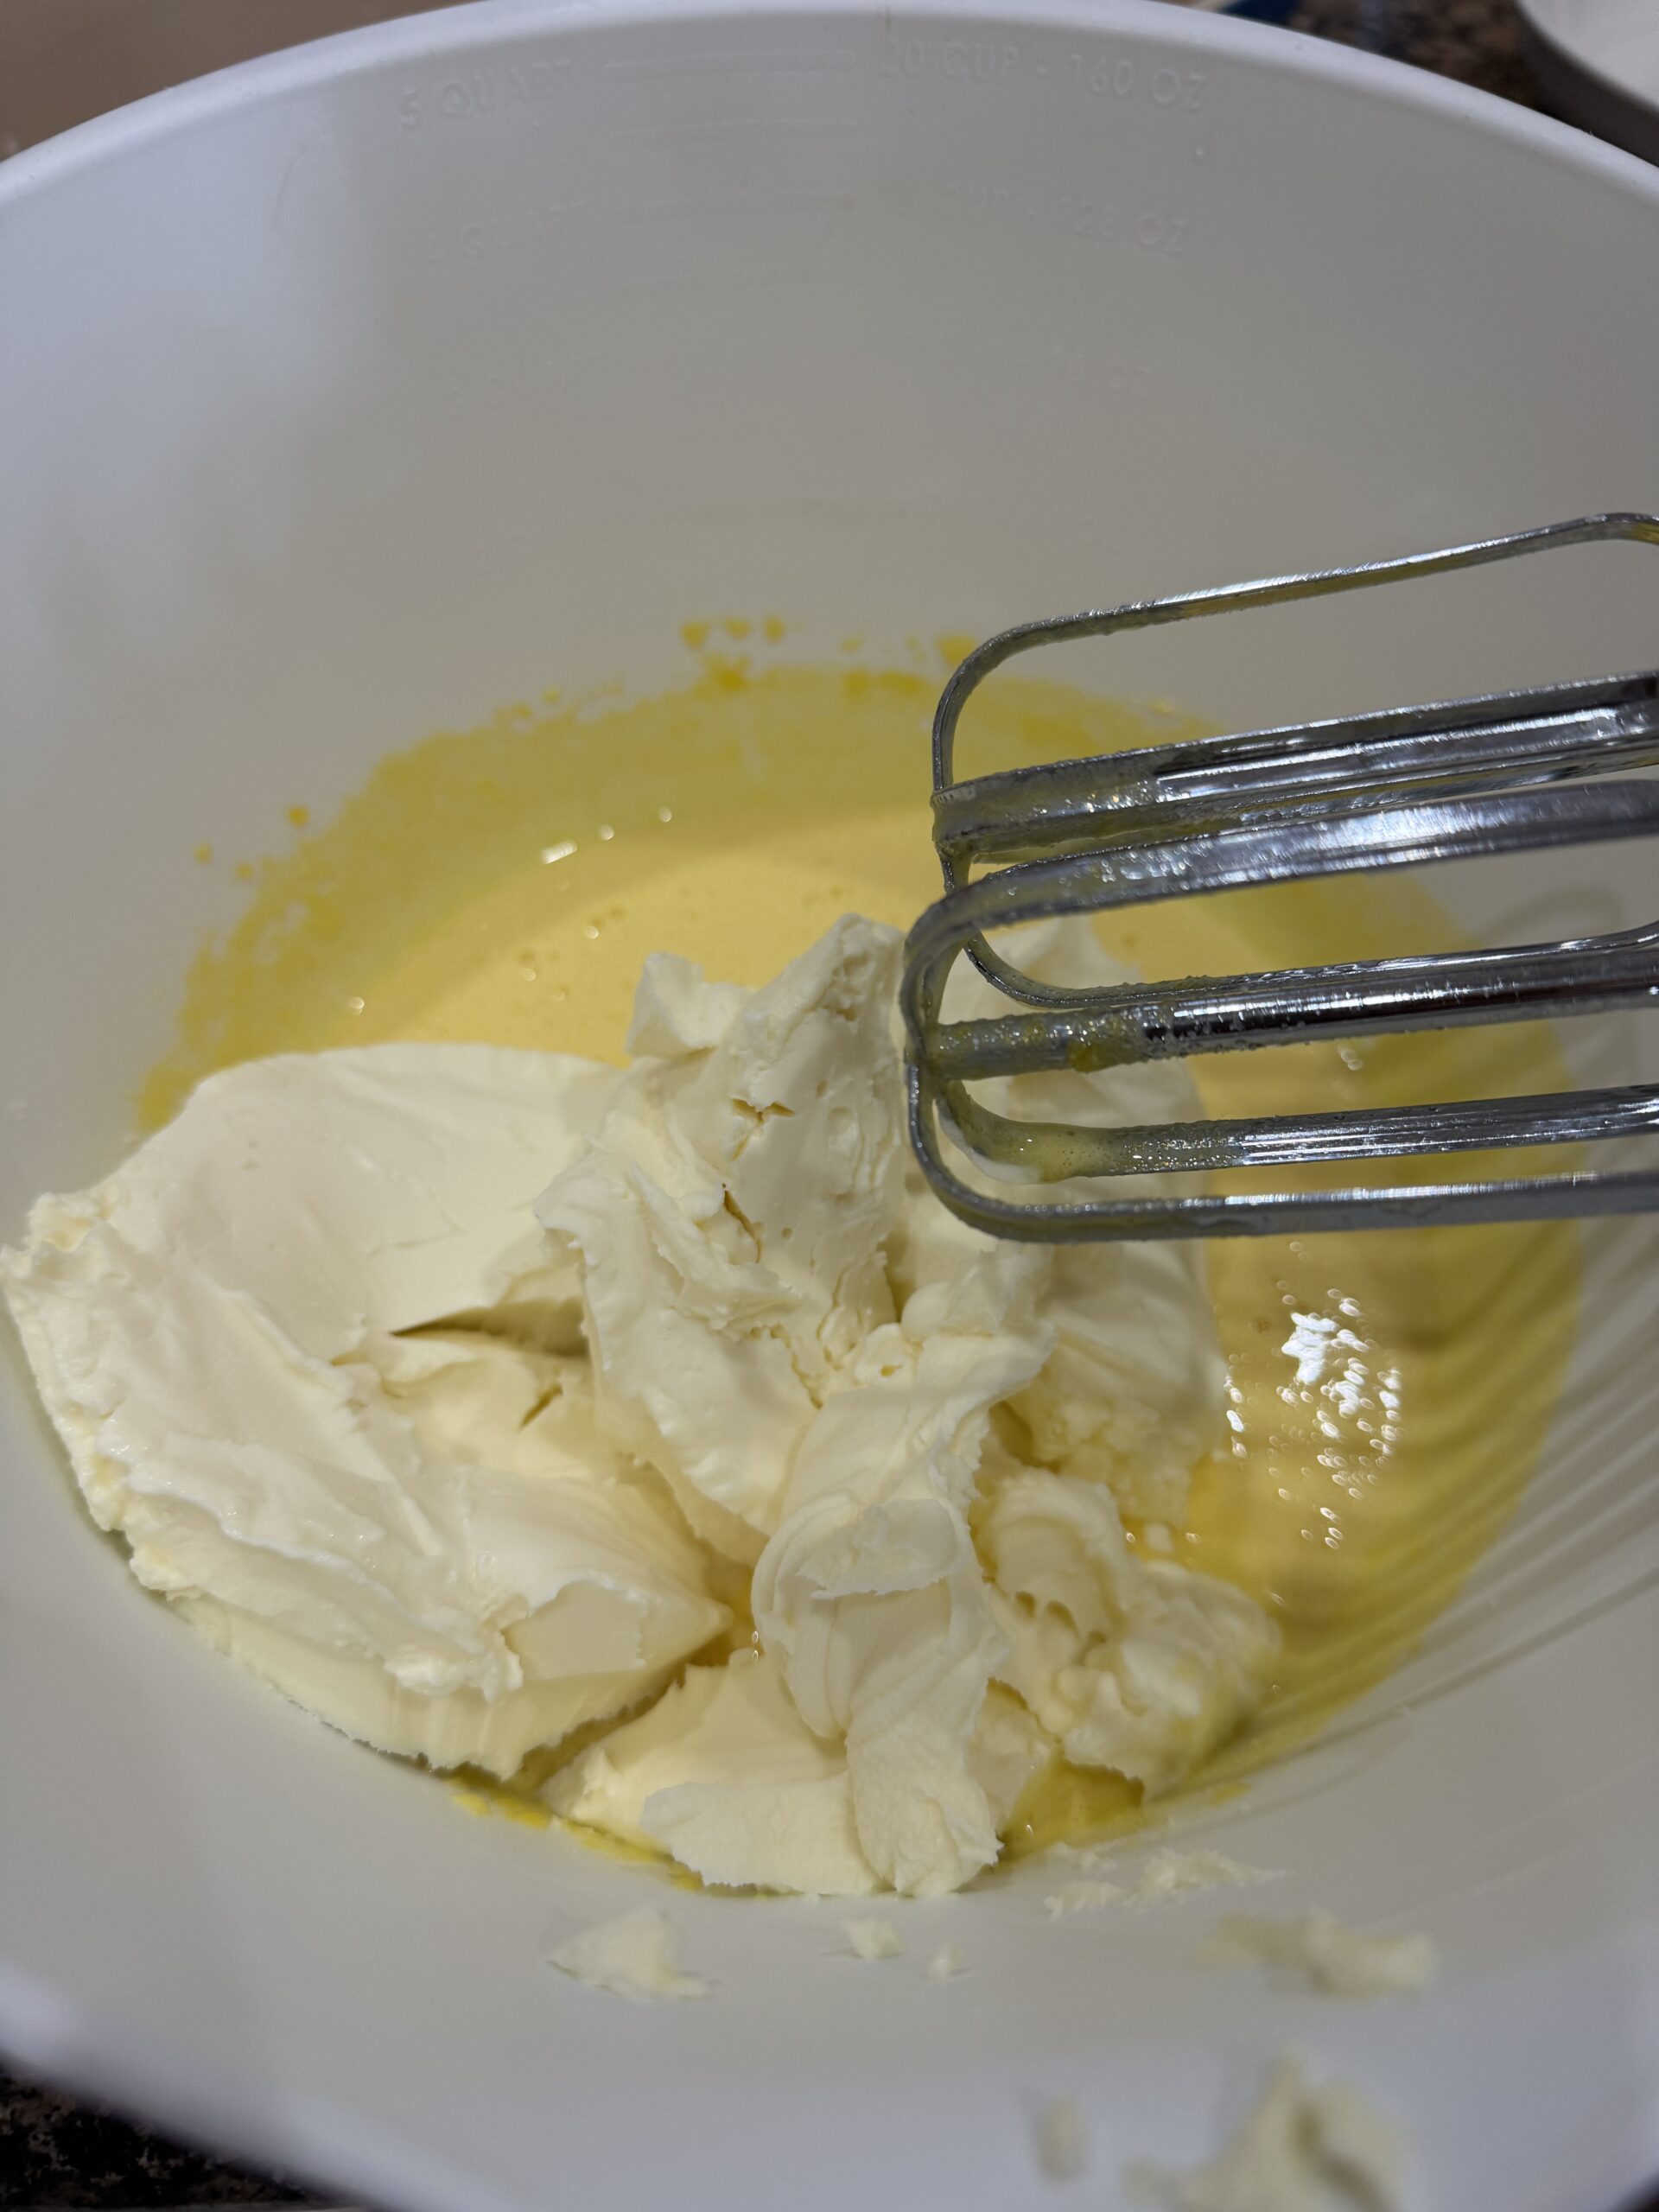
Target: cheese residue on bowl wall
590 1460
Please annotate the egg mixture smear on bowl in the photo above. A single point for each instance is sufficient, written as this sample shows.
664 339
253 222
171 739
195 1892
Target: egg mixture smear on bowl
525 1340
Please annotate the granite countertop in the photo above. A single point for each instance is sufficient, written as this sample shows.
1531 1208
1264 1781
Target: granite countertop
1478 41
55 2153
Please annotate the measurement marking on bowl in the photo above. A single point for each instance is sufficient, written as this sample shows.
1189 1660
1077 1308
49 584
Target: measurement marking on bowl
728 61
725 129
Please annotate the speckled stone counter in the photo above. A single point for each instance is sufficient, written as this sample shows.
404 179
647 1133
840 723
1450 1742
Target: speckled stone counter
56 2154
1476 41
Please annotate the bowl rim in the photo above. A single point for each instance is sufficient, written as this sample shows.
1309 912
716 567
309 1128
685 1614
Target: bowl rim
480 25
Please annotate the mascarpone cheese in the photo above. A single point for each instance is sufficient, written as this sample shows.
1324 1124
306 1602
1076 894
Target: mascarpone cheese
423 1538
1304 2147
1321 1952
637 1955
462 1472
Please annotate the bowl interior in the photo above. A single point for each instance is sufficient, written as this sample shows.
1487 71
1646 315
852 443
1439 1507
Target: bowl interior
359 391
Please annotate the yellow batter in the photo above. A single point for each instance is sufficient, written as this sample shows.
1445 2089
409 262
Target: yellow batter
1389 1391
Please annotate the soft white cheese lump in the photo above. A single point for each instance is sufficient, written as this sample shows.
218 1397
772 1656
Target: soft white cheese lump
462 1472
1060 2138
425 1539
724 1774
1321 1952
812 1352
730 1216
637 1955
873 1939
1304 2147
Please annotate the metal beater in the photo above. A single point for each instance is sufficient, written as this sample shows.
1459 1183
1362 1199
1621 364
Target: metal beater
1499 773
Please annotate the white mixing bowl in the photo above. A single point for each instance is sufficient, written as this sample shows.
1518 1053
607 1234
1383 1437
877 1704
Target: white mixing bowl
351 392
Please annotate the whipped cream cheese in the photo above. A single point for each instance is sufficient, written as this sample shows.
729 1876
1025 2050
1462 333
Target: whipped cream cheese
447 1387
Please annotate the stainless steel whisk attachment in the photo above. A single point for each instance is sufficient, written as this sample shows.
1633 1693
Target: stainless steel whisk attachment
1504 772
